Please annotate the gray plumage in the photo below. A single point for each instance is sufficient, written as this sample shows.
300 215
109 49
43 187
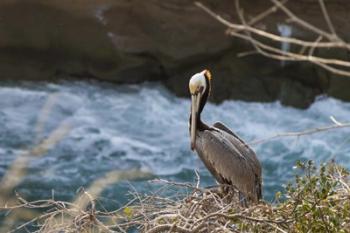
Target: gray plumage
227 156
230 160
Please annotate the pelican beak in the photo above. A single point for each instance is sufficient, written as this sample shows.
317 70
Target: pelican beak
194 116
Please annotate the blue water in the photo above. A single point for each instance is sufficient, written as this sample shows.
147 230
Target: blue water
146 127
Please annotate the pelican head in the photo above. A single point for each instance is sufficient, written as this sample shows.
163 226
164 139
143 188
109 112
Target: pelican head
199 86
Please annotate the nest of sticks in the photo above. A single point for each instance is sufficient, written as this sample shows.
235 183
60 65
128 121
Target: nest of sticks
318 201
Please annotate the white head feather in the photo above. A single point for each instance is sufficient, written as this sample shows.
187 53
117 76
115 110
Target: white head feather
197 81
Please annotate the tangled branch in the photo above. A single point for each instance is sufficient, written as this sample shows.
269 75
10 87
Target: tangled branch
304 50
319 192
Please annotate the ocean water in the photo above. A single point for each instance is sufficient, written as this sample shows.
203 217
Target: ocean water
146 127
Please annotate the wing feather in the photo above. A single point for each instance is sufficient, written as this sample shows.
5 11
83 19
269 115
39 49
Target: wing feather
223 127
227 160
242 147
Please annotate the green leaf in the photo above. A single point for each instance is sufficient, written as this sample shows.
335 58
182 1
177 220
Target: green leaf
128 211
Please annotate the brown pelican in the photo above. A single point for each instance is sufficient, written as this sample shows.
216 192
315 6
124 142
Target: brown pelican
228 158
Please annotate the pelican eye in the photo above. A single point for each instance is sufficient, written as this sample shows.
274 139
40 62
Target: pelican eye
200 89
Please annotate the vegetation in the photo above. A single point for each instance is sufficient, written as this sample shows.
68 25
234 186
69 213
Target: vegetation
318 201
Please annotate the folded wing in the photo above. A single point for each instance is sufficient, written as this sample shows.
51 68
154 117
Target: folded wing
230 160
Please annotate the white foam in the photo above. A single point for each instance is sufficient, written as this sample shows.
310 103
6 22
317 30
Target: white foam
147 127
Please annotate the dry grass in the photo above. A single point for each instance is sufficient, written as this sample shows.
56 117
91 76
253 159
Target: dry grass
318 201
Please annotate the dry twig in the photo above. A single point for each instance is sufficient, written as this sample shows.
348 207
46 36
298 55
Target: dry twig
336 125
257 37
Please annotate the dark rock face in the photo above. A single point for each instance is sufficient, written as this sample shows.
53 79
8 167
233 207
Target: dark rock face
131 41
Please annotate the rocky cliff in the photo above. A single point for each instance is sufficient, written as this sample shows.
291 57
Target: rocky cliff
131 41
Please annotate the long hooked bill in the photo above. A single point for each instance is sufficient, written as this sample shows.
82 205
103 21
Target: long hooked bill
194 116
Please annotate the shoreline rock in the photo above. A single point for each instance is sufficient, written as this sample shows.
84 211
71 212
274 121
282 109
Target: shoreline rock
136 41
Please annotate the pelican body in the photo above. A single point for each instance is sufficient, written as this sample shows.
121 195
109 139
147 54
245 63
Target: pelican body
228 158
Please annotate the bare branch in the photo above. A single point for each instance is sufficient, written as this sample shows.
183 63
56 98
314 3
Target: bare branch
327 18
302 133
240 27
264 14
254 35
303 23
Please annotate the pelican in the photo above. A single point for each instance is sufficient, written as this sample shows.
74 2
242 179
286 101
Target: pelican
228 158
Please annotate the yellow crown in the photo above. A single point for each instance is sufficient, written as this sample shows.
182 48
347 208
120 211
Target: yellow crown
207 74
